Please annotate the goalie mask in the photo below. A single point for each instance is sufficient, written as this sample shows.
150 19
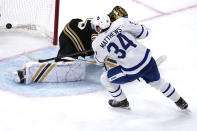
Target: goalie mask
100 23
117 12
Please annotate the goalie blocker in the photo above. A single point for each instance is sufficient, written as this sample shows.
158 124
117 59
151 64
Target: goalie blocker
35 72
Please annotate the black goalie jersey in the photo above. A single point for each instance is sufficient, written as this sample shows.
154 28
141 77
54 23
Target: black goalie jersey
77 36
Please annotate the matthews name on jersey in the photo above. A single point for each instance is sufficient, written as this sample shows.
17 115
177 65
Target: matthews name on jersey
119 43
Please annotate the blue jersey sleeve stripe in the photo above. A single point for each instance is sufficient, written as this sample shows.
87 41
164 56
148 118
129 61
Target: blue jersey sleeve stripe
147 34
141 32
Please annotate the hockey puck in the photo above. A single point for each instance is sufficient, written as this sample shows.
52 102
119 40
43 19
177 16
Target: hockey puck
8 26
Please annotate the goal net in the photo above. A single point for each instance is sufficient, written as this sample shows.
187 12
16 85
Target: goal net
36 17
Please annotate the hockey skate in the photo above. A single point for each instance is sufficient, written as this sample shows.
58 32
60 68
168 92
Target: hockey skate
121 104
181 103
19 76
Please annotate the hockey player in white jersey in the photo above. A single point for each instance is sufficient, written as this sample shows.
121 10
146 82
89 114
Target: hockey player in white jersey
118 40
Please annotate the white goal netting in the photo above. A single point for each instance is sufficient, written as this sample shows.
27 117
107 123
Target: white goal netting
33 16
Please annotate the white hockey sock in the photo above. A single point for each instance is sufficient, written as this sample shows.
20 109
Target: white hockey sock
170 92
116 93
114 89
166 88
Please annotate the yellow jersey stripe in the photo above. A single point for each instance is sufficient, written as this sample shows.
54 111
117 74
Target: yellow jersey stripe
82 46
75 44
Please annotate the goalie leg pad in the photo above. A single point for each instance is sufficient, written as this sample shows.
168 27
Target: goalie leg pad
55 72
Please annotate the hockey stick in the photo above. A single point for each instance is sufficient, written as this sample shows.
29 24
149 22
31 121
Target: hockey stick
89 62
81 60
159 60
69 55
69 59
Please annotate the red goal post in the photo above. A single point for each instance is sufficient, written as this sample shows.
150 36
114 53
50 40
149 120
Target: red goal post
36 17
56 22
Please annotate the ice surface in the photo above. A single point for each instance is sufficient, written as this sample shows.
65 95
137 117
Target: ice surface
47 89
82 106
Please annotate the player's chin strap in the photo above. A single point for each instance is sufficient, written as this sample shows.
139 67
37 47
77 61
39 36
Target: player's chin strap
69 55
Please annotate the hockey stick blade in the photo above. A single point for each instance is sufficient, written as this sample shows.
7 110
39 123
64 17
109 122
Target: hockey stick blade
161 59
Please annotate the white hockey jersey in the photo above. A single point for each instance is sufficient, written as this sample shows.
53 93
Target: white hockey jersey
120 43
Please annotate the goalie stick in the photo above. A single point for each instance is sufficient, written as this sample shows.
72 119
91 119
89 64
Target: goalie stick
69 59
159 60
53 58
90 62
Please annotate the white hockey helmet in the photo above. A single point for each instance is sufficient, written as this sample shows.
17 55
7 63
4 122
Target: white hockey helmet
100 23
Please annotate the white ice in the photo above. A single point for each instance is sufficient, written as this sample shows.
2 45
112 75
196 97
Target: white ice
174 29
